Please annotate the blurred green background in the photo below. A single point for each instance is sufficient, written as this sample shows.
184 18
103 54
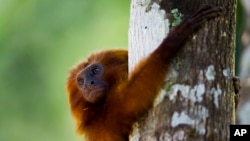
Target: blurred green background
40 40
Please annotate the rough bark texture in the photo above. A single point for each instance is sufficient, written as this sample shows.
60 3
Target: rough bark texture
197 101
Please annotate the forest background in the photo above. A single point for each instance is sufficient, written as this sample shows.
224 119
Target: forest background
40 40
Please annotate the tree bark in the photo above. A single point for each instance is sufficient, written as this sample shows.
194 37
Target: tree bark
197 101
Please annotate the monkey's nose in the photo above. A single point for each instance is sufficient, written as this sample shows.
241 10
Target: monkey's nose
89 84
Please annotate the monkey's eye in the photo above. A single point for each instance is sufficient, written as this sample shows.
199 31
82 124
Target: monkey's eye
95 70
80 81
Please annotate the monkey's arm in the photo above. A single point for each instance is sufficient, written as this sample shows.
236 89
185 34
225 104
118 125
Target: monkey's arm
148 77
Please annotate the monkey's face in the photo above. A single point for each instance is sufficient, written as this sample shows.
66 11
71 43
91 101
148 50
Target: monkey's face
91 83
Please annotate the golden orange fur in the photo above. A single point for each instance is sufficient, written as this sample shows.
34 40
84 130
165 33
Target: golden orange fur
124 99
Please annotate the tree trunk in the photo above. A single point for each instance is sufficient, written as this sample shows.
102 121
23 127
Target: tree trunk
197 101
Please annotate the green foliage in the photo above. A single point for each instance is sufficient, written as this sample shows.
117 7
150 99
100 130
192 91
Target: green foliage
40 40
177 17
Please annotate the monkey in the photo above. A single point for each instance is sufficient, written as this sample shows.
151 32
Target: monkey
105 101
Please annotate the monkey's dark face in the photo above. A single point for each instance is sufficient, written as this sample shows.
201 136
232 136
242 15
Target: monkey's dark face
90 82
